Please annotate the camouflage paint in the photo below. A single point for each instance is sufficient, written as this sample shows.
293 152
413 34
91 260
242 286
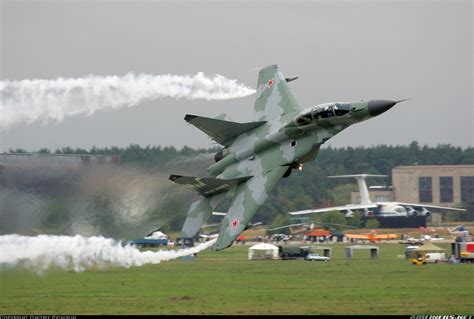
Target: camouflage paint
268 151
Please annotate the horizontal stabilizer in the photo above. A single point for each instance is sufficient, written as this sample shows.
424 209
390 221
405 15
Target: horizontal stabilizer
219 130
291 78
208 186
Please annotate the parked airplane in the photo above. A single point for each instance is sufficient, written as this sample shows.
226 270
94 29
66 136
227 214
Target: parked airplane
376 209
302 227
459 231
422 239
256 155
372 236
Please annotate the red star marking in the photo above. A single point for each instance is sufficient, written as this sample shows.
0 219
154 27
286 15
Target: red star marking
235 222
270 83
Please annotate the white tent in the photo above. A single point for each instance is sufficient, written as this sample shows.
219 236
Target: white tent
263 251
157 235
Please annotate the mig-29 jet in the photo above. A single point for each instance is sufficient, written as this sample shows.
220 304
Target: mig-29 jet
256 155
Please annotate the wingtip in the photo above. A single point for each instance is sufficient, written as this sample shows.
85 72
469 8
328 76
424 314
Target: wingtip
173 178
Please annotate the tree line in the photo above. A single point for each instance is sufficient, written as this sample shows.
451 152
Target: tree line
301 190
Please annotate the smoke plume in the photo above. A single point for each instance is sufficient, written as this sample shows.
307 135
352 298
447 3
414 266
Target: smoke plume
45 195
79 253
29 101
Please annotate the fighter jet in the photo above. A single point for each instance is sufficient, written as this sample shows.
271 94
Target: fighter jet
256 155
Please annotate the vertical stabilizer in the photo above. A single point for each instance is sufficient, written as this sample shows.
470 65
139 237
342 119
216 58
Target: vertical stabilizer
363 190
274 97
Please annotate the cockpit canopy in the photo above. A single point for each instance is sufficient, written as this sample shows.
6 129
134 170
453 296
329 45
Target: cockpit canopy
323 111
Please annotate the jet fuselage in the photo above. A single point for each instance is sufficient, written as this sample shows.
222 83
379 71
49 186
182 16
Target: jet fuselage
297 141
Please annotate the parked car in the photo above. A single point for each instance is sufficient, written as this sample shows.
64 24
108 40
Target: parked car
418 260
316 257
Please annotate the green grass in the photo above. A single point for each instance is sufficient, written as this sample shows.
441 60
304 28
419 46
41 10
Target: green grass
227 283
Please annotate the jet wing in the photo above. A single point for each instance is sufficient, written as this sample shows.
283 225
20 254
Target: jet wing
431 206
219 130
330 209
208 186
248 198
357 236
385 236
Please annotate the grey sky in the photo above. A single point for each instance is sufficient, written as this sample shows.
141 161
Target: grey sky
341 50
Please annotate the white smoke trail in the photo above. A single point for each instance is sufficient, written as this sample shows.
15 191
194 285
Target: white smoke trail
28 101
79 253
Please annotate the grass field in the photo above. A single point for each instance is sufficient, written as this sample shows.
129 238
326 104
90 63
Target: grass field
227 283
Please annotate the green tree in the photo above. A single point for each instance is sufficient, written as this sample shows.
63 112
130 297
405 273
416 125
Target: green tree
372 223
57 216
355 220
302 190
17 150
334 219
453 216
44 151
280 220
341 194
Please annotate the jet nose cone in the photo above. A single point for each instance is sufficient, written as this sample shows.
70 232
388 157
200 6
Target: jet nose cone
377 107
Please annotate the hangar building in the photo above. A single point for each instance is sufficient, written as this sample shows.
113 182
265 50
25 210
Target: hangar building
443 185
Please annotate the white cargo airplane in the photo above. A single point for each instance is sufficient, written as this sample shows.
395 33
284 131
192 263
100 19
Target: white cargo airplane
376 209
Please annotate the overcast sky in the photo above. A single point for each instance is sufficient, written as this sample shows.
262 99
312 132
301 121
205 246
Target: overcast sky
341 50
